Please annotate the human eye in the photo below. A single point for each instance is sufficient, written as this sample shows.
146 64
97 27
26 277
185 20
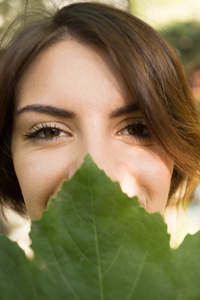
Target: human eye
134 131
45 132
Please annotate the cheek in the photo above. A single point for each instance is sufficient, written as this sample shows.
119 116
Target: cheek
150 172
40 176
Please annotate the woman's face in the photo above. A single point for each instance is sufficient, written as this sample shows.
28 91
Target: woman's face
71 101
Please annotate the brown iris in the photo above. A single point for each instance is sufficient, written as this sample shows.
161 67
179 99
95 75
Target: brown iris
136 129
51 132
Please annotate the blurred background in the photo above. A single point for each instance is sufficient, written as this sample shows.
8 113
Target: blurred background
179 22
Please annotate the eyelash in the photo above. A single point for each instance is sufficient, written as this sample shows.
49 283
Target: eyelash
37 129
138 127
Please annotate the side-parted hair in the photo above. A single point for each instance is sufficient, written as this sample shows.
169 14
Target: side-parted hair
151 71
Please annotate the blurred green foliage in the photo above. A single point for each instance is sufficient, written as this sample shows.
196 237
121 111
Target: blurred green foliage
9 9
185 38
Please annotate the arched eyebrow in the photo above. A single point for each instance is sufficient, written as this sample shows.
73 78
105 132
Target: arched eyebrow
51 110
133 107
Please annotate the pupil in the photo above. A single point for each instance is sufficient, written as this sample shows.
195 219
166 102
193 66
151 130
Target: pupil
135 129
51 132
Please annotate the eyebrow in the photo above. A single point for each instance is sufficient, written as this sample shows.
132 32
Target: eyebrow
51 110
133 107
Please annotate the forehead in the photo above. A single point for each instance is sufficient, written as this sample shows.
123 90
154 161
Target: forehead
68 64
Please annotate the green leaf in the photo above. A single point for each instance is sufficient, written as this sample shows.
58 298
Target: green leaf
95 243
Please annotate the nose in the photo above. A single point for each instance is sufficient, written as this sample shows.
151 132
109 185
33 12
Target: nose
108 155
110 159
103 152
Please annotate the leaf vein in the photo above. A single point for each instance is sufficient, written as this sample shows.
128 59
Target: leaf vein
97 247
76 245
65 277
138 276
113 261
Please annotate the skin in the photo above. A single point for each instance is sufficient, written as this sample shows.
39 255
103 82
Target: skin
81 82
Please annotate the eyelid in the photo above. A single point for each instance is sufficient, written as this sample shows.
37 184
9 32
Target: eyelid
129 121
137 139
37 128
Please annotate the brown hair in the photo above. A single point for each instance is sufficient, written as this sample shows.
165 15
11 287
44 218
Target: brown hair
150 69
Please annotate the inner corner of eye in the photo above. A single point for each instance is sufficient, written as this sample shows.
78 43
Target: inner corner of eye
118 133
